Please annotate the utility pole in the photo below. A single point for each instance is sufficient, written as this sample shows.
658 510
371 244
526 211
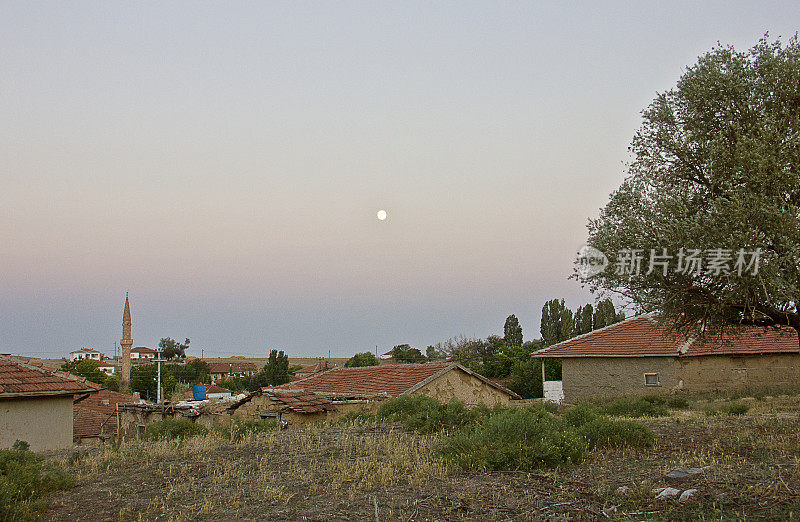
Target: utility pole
158 379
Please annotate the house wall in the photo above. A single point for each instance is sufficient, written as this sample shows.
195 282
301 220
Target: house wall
470 390
595 377
730 372
43 422
132 423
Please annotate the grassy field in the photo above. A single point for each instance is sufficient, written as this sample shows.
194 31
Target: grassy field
383 471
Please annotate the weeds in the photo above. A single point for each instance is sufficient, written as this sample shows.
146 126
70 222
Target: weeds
427 415
239 428
532 438
637 407
171 429
24 480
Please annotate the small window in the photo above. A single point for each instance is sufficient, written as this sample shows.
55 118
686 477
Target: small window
651 379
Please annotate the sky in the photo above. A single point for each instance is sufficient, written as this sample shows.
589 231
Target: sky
224 162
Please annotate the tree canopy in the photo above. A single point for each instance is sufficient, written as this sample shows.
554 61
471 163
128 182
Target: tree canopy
362 359
512 331
170 348
712 195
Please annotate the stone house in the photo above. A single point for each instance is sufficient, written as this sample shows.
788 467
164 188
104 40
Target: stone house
220 371
640 357
294 407
95 415
36 405
442 381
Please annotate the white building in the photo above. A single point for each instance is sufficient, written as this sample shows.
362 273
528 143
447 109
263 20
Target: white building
142 352
85 353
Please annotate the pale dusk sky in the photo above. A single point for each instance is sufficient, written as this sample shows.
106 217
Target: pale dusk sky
224 163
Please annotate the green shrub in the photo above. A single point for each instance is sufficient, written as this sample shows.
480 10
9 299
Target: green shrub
603 432
637 407
169 429
655 399
551 407
581 414
678 403
736 408
710 412
238 428
515 439
427 415
20 445
24 480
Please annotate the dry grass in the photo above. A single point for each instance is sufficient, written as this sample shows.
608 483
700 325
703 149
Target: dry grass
341 473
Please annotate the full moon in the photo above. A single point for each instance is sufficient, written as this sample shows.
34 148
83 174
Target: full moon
382 215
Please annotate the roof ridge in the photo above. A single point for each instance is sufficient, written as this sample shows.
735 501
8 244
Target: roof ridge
646 315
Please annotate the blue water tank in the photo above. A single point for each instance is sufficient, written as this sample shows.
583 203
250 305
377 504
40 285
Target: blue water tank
199 392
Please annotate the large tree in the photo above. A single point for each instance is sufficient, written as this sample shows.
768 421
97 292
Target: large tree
714 176
557 322
170 348
512 331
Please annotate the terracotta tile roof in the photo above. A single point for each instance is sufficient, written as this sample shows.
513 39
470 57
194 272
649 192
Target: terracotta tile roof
86 350
213 388
392 380
313 369
300 401
142 349
232 367
21 379
642 335
95 415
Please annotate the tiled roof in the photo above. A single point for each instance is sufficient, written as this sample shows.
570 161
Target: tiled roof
232 367
21 379
142 349
213 388
300 401
95 415
85 350
392 380
642 335
314 369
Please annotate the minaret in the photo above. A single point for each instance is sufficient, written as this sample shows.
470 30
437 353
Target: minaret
126 343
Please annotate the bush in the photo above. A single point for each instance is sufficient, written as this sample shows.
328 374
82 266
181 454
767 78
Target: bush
533 438
170 429
678 403
24 480
603 432
710 412
581 414
427 415
516 439
637 407
239 428
736 408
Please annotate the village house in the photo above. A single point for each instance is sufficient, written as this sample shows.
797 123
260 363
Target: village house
95 415
142 353
329 395
442 381
220 371
640 357
85 353
294 407
36 405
